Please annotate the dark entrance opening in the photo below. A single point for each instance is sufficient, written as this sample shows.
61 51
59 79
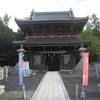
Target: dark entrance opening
52 62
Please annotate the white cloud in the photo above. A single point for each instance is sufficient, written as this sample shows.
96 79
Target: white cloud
22 8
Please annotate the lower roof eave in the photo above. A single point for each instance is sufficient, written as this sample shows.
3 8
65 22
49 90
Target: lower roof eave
79 44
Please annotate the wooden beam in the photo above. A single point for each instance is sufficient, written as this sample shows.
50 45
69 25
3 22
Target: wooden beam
51 52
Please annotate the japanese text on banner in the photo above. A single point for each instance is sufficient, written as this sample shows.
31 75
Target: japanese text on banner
85 68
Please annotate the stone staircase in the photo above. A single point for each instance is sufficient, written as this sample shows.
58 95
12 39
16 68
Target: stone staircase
79 67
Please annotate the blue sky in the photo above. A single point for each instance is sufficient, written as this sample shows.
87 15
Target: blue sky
22 8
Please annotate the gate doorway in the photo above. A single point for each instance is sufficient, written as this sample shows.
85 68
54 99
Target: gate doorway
52 62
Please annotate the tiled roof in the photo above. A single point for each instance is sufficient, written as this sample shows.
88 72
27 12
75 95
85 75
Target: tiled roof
66 42
52 16
58 17
40 16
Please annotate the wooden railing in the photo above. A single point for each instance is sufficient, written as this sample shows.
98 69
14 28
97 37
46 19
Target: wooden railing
43 37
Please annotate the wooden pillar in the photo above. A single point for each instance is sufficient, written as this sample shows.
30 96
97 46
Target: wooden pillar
43 61
31 60
61 62
74 60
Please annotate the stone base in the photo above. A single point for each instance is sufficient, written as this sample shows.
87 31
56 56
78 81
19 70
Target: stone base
2 89
78 71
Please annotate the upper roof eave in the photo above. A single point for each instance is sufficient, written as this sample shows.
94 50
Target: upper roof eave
76 19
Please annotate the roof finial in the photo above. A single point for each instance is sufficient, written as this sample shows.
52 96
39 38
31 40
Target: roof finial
70 9
71 13
32 13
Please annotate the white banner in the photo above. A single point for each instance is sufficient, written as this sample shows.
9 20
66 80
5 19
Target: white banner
25 68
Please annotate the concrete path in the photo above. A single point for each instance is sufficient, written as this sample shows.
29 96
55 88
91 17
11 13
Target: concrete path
51 88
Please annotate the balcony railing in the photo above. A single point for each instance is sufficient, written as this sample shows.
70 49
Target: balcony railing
52 37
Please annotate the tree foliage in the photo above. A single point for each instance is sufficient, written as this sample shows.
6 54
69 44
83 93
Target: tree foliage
95 22
20 35
94 48
6 19
8 54
96 33
6 48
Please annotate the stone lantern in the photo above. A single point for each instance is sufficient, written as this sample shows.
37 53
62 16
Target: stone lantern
20 81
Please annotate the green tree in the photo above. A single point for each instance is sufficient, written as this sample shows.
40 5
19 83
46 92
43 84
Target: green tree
95 23
94 48
19 35
6 19
96 33
87 33
6 47
8 53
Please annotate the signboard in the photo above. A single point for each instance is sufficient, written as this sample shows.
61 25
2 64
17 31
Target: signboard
85 68
25 68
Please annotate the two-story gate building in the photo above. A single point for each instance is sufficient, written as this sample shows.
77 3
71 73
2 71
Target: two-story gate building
52 39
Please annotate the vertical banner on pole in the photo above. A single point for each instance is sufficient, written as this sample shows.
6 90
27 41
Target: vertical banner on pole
20 81
85 68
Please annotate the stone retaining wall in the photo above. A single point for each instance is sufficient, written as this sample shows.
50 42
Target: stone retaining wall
2 89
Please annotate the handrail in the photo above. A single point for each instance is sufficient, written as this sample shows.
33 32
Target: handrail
64 36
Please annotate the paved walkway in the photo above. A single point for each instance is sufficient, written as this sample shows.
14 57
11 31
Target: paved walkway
51 88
